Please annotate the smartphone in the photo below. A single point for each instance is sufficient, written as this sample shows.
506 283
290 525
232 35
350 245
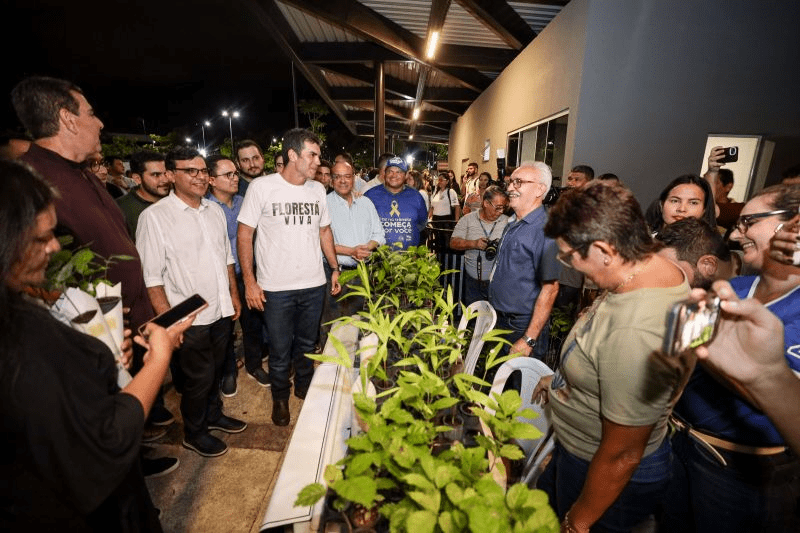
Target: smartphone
796 255
177 313
731 155
691 324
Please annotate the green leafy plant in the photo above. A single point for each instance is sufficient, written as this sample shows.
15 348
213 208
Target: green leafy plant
79 267
406 463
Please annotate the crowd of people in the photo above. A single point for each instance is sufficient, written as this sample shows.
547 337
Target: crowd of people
639 435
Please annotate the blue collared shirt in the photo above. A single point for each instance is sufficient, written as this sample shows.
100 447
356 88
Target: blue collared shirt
354 224
525 260
230 219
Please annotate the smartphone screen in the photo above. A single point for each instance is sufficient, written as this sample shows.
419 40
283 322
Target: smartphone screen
691 324
176 313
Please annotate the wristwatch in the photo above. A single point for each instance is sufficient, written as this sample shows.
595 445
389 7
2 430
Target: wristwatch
529 341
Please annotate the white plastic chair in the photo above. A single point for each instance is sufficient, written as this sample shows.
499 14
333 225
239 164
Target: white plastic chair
532 371
484 322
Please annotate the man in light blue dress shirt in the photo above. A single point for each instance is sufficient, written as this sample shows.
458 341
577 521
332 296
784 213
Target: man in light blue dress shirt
357 231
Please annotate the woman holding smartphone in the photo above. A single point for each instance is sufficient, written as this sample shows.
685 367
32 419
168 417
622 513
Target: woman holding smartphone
610 399
70 436
733 470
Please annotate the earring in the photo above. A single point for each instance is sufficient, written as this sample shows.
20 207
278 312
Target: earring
606 261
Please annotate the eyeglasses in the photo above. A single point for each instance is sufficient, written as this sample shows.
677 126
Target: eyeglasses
226 175
744 222
565 258
193 172
516 182
341 176
497 207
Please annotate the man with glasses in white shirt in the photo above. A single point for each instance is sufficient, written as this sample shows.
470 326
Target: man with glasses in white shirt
183 242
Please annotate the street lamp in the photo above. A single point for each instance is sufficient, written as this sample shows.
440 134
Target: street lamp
203 129
231 116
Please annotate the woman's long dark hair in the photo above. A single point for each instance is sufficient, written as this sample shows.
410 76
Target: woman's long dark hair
25 195
655 212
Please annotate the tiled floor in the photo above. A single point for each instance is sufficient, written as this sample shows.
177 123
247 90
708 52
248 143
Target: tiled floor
228 493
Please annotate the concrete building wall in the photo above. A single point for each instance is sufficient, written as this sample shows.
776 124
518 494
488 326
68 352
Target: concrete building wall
542 81
646 81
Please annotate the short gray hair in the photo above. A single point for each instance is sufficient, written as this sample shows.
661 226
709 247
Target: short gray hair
543 169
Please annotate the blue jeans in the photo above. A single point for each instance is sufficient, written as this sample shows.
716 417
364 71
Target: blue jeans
752 493
564 477
518 324
292 319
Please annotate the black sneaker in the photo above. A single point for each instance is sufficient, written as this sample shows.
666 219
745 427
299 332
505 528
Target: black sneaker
160 416
153 433
160 466
228 424
206 445
260 375
228 386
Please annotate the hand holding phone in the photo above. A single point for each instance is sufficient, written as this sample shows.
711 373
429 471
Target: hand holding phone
177 313
731 155
691 324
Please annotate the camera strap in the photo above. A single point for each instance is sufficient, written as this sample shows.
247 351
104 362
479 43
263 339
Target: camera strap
488 238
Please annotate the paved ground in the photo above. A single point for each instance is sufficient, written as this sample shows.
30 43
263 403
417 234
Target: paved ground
229 493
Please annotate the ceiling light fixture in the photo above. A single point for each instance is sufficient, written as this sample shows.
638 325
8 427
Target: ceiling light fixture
432 41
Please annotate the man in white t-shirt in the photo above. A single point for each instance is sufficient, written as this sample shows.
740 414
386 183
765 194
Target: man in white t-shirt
290 211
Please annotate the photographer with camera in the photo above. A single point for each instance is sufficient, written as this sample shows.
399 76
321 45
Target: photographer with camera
478 234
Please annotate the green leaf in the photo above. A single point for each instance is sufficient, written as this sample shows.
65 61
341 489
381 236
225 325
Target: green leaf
486 520
310 494
511 451
418 480
361 489
332 474
454 493
361 462
517 496
427 500
421 522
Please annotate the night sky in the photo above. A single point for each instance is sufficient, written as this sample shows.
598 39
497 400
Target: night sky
155 65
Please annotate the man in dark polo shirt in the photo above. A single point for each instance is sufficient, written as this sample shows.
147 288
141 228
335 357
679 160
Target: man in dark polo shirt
524 282
66 132
152 184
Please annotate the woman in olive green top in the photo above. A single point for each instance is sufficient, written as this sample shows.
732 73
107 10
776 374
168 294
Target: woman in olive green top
610 398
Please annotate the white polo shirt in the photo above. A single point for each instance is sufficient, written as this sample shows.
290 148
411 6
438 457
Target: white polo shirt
188 252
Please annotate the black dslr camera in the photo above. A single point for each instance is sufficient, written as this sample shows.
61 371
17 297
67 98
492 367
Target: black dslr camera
490 252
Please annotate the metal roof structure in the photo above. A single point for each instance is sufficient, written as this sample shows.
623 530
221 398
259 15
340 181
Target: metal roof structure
348 48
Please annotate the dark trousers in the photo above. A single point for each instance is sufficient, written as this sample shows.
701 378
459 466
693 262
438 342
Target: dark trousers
518 323
336 307
752 493
564 477
251 321
200 359
292 319
474 290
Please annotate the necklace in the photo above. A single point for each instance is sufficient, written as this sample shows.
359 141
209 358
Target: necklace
631 276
